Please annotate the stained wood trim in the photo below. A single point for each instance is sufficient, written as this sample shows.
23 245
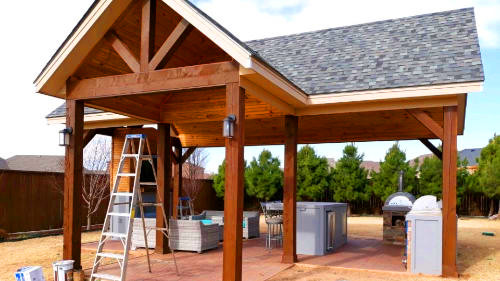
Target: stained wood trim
88 135
450 192
438 153
164 176
148 20
233 195
177 187
428 122
263 95
186 154
122 107
181 78
124 51
461 110
73 180
169 43
290 191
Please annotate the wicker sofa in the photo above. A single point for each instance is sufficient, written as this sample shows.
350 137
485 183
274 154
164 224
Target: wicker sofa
250 221
192 235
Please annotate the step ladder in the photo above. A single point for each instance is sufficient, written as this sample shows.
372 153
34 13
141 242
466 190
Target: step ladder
134 200
185 208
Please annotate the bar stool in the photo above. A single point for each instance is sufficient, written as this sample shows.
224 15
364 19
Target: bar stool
274 222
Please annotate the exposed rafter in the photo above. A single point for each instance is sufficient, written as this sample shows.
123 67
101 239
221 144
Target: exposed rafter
432 148
428 122
124 51
186 154
169 45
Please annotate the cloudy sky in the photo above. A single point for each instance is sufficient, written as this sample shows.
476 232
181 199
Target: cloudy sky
32 30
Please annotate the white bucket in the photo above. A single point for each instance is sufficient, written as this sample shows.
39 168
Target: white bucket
63 270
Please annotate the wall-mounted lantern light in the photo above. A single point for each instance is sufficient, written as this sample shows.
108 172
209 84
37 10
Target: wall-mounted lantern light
228 126
64 136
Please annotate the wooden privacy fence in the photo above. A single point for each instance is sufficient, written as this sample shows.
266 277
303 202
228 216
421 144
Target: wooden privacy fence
29 201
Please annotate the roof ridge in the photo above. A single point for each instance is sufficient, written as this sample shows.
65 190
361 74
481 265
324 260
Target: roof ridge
360 24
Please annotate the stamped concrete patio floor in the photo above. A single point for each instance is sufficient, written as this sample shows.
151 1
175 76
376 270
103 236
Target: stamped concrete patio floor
258 263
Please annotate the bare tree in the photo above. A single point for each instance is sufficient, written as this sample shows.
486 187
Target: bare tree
193 170
96 178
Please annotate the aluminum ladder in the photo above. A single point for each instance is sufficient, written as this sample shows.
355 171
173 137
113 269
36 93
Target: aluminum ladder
135 200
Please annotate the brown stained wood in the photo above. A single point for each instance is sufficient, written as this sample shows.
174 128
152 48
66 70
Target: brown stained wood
186 154
148 20
88 135
290 191
125 106
177 187
450 192
169 44
428 122
164 176
233 195
182 78
124 51
73 180
438 153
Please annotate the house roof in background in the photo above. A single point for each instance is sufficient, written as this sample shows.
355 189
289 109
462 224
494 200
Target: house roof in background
37 163
431 49
3 164
61 111
471 154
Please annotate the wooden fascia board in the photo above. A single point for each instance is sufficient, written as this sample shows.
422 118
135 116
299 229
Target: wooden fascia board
79 45
172 79
263 95
212 31
462 107
381 105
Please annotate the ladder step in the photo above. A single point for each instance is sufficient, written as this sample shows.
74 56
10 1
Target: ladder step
110 255
147 183
130 155
152 204
127 194
106 276
126 174
135 136
119 214
115 234
156 228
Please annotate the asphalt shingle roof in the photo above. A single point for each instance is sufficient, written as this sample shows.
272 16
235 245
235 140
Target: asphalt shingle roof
36 163
438 48
61 111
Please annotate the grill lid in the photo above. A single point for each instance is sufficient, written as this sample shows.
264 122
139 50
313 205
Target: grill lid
399 201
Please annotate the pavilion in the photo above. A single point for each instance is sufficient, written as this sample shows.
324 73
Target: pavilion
166 62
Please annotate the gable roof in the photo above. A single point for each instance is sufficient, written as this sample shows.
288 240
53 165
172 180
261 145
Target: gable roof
431 49
3 164
36 163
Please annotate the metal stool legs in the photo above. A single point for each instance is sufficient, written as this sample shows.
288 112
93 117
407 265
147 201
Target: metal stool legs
274 233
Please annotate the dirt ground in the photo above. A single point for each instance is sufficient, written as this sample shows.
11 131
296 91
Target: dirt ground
478 255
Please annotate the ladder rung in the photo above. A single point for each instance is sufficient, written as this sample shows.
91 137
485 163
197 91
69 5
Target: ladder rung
126 175
127 194
106 276
152 204
121 203
130 155
156 228
119 214
115 234
110 255
147 183
135 136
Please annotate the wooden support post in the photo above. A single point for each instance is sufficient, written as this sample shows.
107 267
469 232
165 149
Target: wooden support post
164 176
450 192
233 195
177 192
290 191
73 180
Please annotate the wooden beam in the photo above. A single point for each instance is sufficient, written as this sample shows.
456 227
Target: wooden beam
263 95
290 191
233 195
124 106
177 188
88 135
124 51
432 148
73 180
148 19
164 176
172 79
186 154
169 44
428 122
450 192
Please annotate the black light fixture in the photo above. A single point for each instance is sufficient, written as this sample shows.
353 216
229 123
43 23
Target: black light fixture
64 136
228 126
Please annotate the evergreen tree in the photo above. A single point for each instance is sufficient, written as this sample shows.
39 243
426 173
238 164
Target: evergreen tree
263 177
386 181
489 171
349 179
219 179
312 174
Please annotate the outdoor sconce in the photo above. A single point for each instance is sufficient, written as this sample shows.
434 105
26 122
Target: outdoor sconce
64 136
228 126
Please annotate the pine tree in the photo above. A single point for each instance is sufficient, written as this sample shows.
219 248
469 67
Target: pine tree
489 171
263 177
312 174
219 179
349 179
386 181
